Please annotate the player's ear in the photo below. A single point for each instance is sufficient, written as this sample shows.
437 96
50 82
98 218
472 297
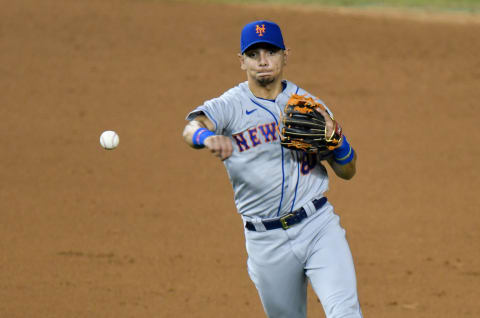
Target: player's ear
286 52
241 58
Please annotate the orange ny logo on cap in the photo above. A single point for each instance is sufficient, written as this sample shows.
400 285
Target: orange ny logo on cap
260 30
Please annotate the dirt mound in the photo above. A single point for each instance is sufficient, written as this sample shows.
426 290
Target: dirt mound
150 228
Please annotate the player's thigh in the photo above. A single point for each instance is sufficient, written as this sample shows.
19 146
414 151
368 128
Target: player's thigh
332 274
282 288
277 274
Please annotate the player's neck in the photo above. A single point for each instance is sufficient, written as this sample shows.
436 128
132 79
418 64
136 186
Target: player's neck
269 91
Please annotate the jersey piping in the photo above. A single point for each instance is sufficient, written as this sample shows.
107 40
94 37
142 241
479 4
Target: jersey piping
296 185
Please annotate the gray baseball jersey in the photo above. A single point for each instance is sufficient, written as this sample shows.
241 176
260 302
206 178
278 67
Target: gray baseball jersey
269 181
253 124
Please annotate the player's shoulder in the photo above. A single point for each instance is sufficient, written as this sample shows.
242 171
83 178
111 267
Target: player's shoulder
295 89
231 96
237 92
227 105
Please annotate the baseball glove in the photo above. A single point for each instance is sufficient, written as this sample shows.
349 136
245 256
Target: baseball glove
304 127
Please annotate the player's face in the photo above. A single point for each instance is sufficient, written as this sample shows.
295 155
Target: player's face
263 63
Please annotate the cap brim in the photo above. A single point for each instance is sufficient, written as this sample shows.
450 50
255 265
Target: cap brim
262 41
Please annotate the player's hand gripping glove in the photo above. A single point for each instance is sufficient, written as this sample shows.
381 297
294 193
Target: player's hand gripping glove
304 127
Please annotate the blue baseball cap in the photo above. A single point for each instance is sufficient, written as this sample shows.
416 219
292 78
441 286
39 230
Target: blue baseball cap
261 32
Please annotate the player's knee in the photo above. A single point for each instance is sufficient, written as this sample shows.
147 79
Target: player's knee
281 307
343 307
343 311
282 312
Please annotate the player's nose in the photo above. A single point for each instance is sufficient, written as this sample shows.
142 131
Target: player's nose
263 61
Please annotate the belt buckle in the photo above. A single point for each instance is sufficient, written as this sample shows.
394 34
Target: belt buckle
283 221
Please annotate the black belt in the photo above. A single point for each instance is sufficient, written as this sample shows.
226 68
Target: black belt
289 219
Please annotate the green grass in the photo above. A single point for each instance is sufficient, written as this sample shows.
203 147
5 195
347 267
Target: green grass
441 5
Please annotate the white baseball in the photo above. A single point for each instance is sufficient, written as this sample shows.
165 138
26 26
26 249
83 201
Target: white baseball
109 139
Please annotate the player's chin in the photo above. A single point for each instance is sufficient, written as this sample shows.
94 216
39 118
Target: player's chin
265 80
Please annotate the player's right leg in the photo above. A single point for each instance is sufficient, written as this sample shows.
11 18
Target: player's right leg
277 274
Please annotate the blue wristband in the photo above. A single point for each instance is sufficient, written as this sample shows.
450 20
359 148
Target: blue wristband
199 137
343 154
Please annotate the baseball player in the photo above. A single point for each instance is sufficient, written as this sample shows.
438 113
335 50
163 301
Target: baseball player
292 232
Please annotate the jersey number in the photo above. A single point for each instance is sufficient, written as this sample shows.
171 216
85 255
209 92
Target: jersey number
308 163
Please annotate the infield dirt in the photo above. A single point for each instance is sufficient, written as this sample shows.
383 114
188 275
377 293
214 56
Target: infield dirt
150 229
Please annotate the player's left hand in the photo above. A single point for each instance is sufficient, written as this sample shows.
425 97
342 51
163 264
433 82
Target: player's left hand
330 124
307 126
